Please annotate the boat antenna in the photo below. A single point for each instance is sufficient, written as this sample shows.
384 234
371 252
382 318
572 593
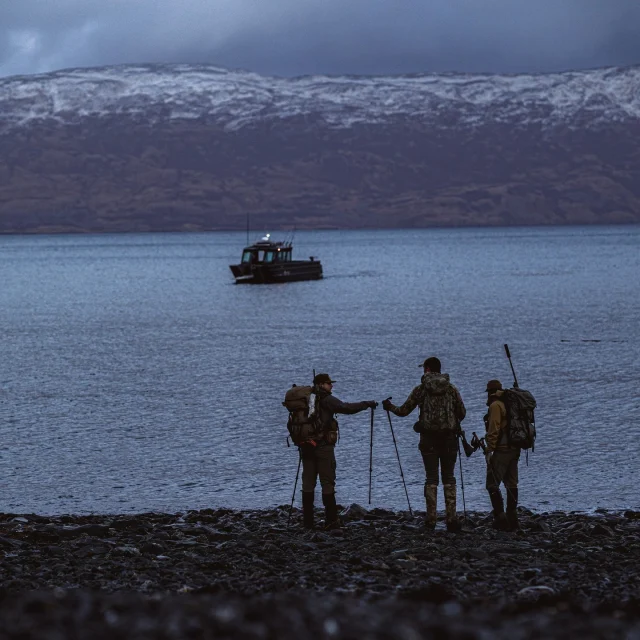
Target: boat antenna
247 229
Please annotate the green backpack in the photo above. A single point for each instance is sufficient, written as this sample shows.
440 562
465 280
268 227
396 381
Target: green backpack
521 422
439 406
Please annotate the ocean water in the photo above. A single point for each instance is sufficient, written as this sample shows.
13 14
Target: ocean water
135 376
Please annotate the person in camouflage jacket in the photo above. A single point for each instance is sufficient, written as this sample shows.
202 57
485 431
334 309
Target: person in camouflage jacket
438 442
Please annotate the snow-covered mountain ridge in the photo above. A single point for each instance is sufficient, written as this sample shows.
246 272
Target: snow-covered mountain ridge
237 99
79 150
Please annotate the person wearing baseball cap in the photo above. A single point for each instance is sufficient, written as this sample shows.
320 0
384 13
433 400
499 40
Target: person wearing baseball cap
319 460
441 411
502 461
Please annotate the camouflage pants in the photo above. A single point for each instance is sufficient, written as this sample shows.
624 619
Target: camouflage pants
319 461
503 468
439 455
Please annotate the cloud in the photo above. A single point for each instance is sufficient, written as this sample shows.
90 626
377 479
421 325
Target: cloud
294 37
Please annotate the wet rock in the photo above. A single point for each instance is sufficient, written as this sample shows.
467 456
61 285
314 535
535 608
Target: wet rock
88 529
89 551
536 591
354 512
9 543
539 525
531 572
478 554
127 551
152 547
602 530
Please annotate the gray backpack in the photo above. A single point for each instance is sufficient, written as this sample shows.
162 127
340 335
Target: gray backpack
521 422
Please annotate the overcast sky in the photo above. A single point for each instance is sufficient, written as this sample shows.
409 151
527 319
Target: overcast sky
295 37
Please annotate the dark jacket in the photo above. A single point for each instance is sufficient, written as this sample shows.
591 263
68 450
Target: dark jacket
328 405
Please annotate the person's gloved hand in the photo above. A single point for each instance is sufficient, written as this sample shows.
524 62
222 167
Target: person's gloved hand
372 404
487 457
386 404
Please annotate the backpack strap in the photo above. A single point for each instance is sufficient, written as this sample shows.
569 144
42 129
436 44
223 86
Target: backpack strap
325 430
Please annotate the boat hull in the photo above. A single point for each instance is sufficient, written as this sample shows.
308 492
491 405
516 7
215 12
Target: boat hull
274 273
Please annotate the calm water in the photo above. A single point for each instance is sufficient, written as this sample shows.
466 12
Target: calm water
134 376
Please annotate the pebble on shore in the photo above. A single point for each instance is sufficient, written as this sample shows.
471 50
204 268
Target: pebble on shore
223 573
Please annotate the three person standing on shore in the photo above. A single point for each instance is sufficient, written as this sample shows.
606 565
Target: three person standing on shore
441 411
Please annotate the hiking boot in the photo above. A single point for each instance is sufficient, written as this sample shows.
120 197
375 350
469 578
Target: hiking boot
512 509
500 521
431 496
307 509
512 520
331 519
453 524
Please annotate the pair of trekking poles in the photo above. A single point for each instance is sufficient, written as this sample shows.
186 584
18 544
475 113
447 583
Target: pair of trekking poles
464 505
395 444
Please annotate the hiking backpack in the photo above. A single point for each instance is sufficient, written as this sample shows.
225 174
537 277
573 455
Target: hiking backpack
521 423
439 410
301 425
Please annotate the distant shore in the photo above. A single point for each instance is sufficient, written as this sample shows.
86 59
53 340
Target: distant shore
283 229
579 573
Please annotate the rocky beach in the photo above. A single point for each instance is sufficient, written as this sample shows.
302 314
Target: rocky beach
223 573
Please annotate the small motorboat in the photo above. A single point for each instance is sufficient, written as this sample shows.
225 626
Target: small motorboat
268 262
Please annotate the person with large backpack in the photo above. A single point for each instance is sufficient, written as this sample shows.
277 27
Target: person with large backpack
441 411
510 427
315 432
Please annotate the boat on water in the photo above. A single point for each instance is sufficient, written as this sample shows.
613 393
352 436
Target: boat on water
267 262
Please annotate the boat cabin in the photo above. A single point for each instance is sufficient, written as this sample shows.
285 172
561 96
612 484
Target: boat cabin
266 251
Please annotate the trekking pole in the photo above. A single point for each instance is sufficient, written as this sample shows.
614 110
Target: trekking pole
464 504
515 380
295 486
399 463
371 455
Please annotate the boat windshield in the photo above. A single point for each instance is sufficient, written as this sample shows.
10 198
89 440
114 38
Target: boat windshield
266 256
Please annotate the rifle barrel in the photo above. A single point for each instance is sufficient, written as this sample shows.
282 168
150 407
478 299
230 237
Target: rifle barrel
515 380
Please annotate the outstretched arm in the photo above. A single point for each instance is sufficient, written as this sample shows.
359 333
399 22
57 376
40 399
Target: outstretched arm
415 397
333 405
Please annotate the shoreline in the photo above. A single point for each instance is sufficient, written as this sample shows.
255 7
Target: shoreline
418 513
240 571
72 231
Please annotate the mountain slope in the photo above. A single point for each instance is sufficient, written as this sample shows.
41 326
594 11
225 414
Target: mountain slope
197 147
